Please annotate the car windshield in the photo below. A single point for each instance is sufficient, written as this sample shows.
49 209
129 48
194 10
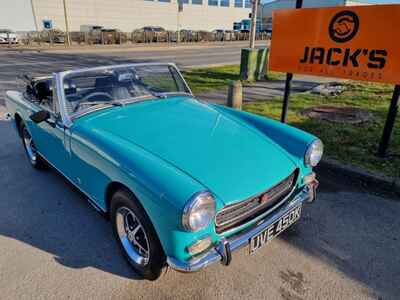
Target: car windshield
118 85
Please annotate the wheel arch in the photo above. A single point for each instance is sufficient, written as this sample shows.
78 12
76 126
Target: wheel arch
111 189
115 186
18 122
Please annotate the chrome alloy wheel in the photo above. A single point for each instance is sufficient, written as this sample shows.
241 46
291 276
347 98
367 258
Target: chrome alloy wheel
132 236
29 146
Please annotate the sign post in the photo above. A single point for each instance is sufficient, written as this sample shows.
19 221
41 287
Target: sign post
288 83
48 26
344 42
389 125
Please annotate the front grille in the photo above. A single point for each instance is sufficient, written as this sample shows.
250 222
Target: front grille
240 213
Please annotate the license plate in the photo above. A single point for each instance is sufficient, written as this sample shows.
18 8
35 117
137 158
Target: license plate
275 229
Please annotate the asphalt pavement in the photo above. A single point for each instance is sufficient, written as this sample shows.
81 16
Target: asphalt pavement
54 245
34 63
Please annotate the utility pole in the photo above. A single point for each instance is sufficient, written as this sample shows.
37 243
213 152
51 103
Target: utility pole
66 25
34 16
253 28
178 21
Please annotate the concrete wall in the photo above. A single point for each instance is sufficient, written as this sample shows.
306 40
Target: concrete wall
128 15
16 15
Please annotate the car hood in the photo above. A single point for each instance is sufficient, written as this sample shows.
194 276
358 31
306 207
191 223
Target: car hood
231 159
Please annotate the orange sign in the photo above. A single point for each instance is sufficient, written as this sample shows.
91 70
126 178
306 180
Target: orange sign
360 42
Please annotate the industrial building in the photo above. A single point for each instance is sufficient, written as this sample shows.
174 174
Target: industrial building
125 15
265 12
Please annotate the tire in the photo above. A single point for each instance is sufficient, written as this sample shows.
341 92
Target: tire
34 157
126 212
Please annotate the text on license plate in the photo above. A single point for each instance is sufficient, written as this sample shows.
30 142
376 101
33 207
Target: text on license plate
274 229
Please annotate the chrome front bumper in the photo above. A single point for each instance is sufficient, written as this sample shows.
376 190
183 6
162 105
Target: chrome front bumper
222 251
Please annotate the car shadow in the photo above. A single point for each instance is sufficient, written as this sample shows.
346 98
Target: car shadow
42 209
354 231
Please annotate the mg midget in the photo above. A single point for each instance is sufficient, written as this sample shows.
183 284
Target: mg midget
183 182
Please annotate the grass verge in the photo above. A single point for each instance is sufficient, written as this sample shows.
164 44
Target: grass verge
350 144
208 79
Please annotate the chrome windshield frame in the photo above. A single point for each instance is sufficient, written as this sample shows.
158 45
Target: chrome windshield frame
59 83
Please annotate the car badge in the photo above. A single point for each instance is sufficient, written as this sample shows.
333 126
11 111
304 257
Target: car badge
264 198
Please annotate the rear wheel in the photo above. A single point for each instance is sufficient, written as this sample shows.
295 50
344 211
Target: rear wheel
34 157
136 235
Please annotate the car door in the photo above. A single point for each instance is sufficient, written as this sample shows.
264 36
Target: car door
50 136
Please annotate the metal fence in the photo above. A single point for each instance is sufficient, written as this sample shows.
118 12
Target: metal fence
117 37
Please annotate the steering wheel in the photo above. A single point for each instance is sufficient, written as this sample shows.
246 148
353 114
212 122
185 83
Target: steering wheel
96 94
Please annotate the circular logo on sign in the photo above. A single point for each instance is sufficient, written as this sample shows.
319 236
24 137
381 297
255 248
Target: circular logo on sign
344 26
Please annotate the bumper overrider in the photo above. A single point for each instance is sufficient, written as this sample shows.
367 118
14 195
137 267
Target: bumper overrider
222 251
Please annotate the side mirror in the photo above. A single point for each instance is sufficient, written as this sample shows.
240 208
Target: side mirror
40 116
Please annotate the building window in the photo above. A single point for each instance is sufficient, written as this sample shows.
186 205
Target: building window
247 3
197 2
238 3
213 2
224 3
184 1
164 0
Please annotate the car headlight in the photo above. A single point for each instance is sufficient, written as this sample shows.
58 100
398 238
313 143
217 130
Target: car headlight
314 153
198 211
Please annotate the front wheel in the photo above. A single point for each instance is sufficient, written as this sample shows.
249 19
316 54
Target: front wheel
136 236
34 157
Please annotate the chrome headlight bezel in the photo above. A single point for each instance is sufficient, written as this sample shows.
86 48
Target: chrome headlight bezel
205 199
314 153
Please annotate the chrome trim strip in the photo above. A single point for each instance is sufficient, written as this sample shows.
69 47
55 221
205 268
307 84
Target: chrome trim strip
59 79
220 253
90 200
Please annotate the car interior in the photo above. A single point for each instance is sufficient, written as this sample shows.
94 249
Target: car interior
80 91
40 91
83 90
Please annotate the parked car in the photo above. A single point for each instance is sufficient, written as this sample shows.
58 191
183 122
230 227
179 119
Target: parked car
218 31
151 33
152 29
7 37
55 36
185 183
90 28
111 35
219 34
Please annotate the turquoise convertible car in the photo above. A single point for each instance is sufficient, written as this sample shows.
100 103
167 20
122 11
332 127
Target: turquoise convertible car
184 183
